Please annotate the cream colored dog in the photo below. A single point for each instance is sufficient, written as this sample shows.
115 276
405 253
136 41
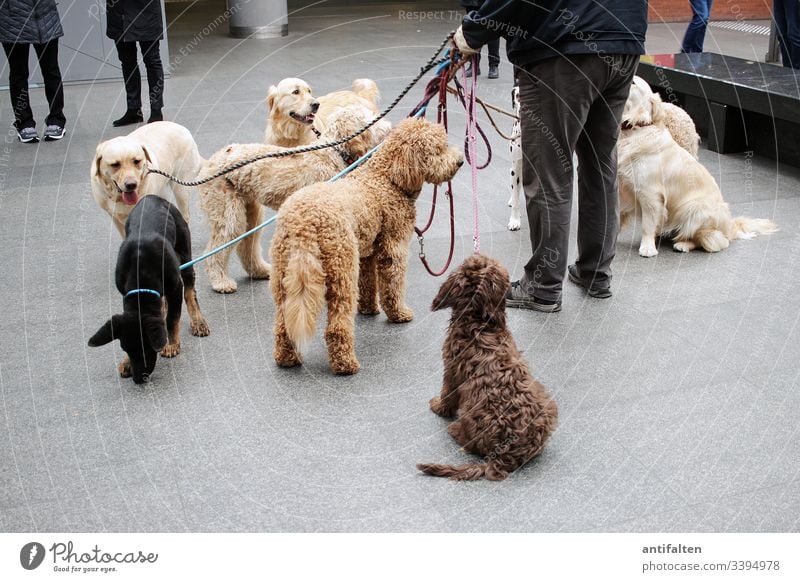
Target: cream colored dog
672 192
296 118
650 107
233 202
119 173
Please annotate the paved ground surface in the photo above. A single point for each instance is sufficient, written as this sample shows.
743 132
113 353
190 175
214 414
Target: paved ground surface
678 396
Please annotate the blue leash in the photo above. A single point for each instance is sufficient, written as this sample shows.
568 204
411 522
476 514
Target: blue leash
272 219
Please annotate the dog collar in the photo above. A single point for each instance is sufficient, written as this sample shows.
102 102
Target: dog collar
347 159
138 291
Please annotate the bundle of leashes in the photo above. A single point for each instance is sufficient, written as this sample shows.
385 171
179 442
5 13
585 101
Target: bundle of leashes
447 67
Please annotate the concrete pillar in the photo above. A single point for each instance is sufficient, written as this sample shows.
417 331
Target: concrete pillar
258 18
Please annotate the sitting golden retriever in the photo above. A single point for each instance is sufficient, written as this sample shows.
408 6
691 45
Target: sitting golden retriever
233 202
676 120
119 175
296 118
672 192
504 415
346 243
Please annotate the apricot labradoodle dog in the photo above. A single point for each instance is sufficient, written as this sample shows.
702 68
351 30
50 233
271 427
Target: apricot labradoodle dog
504 415
233 202
346 243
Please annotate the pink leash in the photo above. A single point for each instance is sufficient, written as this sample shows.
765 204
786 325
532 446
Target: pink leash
471 139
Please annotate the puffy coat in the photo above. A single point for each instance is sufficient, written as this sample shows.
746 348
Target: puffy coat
134 20
29 21
547 28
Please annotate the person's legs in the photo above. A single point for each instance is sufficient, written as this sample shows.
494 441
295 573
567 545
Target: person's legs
555 95
126 51
696 31
17 55
790 44
493 47
47 54
155 77
781 29
598 199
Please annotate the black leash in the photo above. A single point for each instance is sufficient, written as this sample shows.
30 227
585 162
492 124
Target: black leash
432 62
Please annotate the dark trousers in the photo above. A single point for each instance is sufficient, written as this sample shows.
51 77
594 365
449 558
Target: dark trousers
571 104
493 48
18 74
696 31
133 79
787 23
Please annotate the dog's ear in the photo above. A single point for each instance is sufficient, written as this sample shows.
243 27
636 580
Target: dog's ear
272 92
98 157
656 109
156 332
490 294
405 152
105 334
147 154
448 292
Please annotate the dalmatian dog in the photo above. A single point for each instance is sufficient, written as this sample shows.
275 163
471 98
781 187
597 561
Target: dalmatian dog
516 166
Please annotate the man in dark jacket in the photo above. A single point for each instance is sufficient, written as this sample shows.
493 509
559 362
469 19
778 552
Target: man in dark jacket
575 60
24 23
129 22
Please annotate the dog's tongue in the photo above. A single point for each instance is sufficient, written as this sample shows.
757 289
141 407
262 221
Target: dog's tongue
130 198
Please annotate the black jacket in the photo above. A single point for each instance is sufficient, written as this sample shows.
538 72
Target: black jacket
134 20
547 28
29 21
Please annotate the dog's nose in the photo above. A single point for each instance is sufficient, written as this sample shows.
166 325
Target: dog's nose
460 162
130 186
314 106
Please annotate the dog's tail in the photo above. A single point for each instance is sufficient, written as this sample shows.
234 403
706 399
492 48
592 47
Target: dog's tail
304 288
744 227
469 472
368 89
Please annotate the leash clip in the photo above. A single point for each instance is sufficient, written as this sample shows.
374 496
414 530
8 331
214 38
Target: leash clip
421 241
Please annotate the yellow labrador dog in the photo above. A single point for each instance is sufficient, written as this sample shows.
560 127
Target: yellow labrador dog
119 175
296 118
671 191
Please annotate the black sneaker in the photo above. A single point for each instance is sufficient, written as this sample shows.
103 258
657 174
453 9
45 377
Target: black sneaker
155 115
28 135
131 116
469 72
517 297
54 132
597 292
494 72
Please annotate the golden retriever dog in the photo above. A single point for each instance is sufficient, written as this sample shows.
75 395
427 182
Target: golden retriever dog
346 243
504 415
650 106
670 190
119 173
296 118
233 202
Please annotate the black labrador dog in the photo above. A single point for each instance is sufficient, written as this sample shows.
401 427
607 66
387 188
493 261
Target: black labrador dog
157 242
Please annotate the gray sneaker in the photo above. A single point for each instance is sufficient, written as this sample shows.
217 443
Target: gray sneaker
28 135
517 297
54 132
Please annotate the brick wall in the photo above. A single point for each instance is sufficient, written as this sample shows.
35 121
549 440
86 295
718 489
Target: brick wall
679 10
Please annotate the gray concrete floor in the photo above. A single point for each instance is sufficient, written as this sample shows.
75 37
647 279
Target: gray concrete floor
678 396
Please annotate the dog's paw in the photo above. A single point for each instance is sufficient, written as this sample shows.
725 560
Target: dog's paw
200 328
683 246
401 315
648 249
368 309
171 350
261 271
514 223
437 407
345 366
224 285
124 368
288 362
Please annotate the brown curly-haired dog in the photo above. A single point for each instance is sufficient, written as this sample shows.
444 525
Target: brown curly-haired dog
503 413
233 202
346 242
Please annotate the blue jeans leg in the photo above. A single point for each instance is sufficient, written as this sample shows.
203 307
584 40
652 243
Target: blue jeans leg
696 31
